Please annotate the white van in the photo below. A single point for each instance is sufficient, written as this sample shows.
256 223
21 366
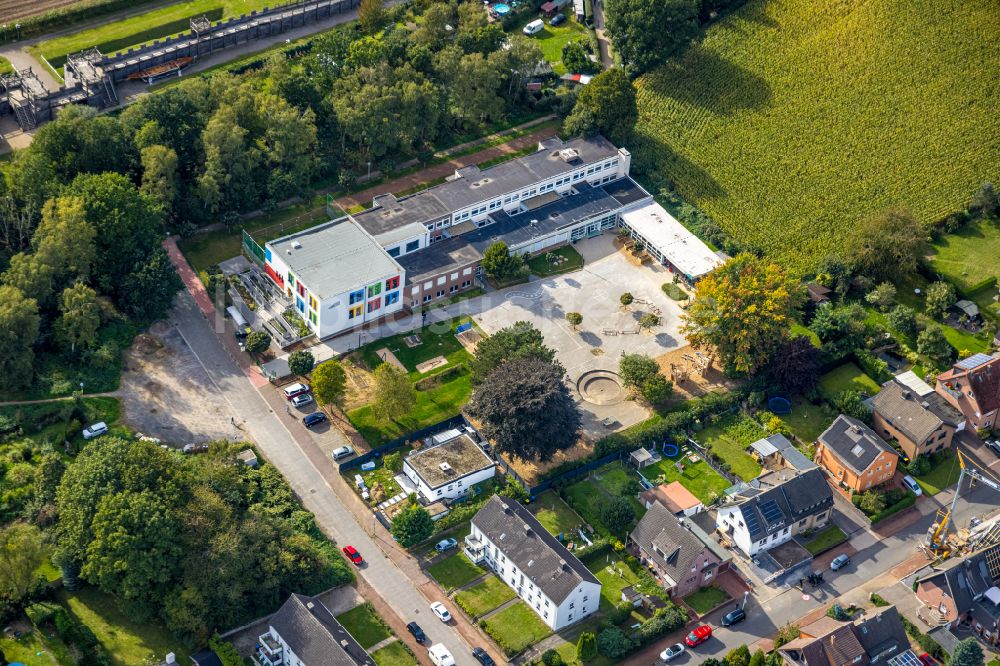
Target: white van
534 27
440 656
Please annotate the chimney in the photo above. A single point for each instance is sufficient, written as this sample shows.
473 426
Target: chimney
310 605
906 395
527 530
562 564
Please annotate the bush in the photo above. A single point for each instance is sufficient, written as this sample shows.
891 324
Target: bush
877 600
613 643
586 647
893 509
786 634
551 658
226 652
618 515
673 291
919 466
873 366
41 613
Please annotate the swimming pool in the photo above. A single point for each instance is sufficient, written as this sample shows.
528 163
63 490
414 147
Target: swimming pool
501 8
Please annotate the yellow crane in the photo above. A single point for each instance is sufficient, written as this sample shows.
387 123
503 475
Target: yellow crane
937 536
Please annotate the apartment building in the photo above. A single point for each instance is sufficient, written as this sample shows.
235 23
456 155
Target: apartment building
909 411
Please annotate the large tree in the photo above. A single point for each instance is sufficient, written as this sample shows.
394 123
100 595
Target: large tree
328 382
19 323
648 32
743 309
412 525
500 263
22 551
64 241
606 105
393 394
526 409
159 176
888 246
151 287
80 316
795 365
636 369
518 340
840 328
968 652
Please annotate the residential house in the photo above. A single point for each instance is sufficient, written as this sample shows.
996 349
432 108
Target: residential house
676 498
305 633
683 558
972 386
965 594
909 411
449 467
878 638
854 455
522 553
818 294
772 509
776 450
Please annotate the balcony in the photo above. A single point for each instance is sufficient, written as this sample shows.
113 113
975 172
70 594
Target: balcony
474 549
269 651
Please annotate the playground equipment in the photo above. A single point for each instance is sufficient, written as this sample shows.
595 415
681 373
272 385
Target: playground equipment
702 362
678 372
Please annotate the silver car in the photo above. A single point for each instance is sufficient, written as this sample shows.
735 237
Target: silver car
672 652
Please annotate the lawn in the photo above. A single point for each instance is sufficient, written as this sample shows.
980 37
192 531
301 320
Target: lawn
808 421
551 40
438 339
964 342
483 597
943 475
968 257
613 581
847 377
126 640
364 624
554 514
824 540
588 496
394 654
28 649
515 628
729 438
455 571
704 482
706 599
563 260
808 115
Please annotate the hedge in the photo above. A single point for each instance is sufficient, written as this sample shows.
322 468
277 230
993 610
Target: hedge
904 503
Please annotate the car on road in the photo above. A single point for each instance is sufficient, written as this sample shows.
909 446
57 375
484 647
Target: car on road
293 390
558 19
840 562
994 446
440 656
353 555
672 652
418 633
912 485
315 418
734 616
301 400
445 544
95 430
441 612
698 635
482 657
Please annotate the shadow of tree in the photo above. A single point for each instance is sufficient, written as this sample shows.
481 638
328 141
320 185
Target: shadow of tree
705 80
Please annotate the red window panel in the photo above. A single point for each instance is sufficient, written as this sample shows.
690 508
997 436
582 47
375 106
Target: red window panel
392 283
274 275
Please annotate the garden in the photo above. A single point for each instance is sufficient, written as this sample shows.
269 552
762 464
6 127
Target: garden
847 377
615 575
563 260
878 503
706 599
696 475
554 514
515 628
394 654
943 472
729 438
823 540
454 571
552 39
368 629
967 257
592 496
483 597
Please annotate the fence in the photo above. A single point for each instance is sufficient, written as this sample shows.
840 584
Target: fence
568 475
399 442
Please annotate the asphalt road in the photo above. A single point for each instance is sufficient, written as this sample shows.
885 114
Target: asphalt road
230 384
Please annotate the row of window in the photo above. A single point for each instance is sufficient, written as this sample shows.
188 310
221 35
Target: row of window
374 304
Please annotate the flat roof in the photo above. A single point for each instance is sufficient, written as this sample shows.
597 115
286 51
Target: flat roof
678 245
334 258
444 463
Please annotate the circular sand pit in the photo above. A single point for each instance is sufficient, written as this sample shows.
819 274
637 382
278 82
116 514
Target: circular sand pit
601 387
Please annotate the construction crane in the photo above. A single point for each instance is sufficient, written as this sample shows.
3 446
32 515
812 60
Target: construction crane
937 535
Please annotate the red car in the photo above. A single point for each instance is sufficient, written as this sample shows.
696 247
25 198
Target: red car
928 660
700 634
353 555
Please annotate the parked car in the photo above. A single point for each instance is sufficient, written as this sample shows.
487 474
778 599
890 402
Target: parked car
840 562
912 484
558 19
533 28
195 448
672 652
95 430
418 633
441 612
698 635
353 555
482 657
293 390
734 616
927 660
445 544
994 446
440 656
342 452
314 418
302 399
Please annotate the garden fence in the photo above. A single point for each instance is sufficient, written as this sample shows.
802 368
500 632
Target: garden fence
399 442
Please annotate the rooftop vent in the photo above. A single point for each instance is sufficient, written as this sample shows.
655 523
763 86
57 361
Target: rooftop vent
310 605
925 404
533 223
562 564
527 529
906 395
444 467
569 155
530 562
343 643
297 245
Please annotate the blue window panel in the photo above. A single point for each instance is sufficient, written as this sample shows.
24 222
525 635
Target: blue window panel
300 304
267 254
391 297
357 296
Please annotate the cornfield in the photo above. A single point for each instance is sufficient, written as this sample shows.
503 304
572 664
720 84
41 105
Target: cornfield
795 118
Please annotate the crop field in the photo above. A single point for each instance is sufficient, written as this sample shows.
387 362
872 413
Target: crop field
793 119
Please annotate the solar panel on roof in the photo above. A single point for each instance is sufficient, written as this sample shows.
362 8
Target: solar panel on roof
772 514
752 524
974 361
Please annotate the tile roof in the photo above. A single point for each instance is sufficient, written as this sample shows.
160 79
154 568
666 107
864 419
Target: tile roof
525 542
315 635
882 634
855 444
918 417
674 545
672 495
877 637
967 580
791 500
979 375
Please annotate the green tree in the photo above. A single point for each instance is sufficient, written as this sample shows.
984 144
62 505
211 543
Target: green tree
739 656
967 653
888 246
233 163
636 369
986 200
903 319
613 643
649 320
743 309
49 470
872 502
851 403
31 276
371 16
22 551
19 324
328 382
160 180
393 395
841 328
657 389
526 409
257 342
150 289
518 340
301 362
618 515
919 466
883 296
626 299
393 462
786 634
576 57
80 316
931 342
757 658
939 297
574 319
552 658
648 32
586 647
412 525
472 83
607 105
500 264
64 241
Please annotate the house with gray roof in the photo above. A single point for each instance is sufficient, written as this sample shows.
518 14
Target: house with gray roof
965 594
524 555
909 411
878 638
305 633
855 456
678 552
768 513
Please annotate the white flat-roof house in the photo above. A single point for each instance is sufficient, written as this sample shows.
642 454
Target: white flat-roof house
522 553
447 469
669 241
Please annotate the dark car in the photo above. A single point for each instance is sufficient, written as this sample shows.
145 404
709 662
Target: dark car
734 616
313 418
558 19
483 658
417 632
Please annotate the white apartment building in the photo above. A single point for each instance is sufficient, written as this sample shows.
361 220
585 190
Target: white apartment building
447 469
305 633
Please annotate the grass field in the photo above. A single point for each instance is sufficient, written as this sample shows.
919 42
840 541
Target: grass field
480 599
824 540
706 599
703 481
847 377
394 654
808 421
729 438
515 628
554 514
570 260
943 475
435 340
590 495
551 40
613 580
806 115
969 257
454 571
364 624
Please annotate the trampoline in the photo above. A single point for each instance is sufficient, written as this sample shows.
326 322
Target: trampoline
779 405
501 8
670 449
